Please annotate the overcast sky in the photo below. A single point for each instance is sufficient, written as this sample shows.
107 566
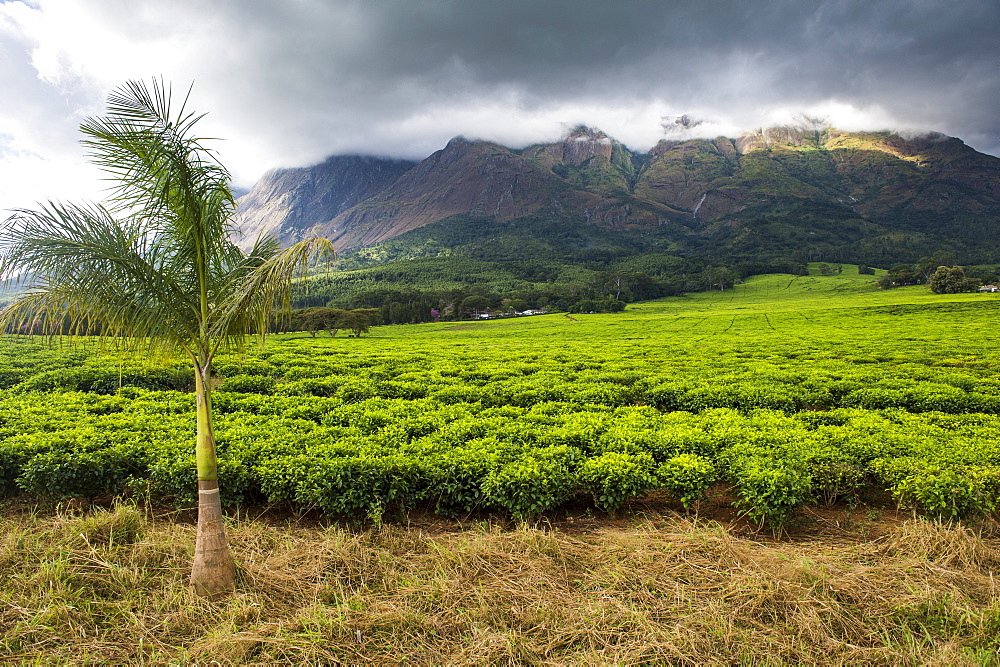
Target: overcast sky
288 82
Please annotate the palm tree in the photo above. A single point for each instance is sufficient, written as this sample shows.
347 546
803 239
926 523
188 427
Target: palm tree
156 270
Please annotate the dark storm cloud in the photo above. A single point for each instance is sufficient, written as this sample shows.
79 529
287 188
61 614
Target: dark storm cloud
925 64
293 81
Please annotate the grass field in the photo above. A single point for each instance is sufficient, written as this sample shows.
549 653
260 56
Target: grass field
644 452
109 587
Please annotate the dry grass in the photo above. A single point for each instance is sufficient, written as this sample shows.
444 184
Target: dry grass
110 587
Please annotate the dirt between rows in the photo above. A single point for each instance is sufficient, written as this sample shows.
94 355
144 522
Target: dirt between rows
866 520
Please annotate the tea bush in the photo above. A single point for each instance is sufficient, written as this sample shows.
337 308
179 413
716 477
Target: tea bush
950 493
535 483
613 477
249 384
772 491
686 477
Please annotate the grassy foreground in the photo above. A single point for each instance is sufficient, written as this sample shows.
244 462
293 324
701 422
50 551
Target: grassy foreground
109 587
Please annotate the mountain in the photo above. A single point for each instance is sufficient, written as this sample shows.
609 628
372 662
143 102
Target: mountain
791 193
466 177
285 202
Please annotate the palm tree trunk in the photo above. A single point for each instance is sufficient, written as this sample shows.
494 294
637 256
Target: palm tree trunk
212 574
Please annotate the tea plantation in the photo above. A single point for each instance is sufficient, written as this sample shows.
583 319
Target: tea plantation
792 390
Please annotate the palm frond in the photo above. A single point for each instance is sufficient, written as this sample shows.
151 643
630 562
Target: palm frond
161 169
262 286
88 269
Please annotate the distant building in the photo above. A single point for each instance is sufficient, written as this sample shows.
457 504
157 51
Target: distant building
989 288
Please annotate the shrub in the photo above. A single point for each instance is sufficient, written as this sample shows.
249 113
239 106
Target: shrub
739 396
361 486
874 398
772 491
891 471
324 387
249 384
406 390
108 379
14 453
354 391
11 376
458 393
834 480
666 396
686 477
951 493
606 393
244 366
69 474
536 482
456 476
938 397
174 478
613 477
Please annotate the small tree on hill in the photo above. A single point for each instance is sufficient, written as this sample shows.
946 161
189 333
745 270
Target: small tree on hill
926 266
315 320
951 280
357 320
475 304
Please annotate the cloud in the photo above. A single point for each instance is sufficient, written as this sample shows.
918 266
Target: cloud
289 83
38 121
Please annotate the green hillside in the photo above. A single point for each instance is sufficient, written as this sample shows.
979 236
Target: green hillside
527 258
842 320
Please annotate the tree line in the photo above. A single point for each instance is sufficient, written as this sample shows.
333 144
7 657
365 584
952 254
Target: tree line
572 289
330 320
939 273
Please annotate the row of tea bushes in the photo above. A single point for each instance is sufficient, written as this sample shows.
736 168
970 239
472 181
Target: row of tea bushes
604 371
961 394
365 458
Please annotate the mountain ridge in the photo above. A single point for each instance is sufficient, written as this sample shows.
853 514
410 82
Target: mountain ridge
806 191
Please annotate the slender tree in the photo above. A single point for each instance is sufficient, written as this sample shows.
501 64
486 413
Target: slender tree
155 269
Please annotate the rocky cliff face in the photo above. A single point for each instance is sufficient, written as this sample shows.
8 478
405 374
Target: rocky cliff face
580 146
706 188
285 202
